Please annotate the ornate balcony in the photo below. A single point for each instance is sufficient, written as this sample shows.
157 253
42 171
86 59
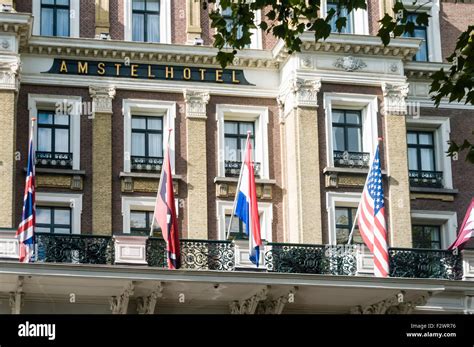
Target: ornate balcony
314 259
53 160
232 168
76 249
425 263
195 254
146 164
351 159
429 179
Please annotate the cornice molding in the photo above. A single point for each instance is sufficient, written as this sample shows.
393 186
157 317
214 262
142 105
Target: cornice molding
20 24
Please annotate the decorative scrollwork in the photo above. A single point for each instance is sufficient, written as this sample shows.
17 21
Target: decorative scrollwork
195 254
316 259
425 263
77 249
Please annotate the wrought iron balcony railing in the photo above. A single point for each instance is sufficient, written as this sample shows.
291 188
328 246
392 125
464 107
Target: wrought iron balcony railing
195 254
76 249
425 263
146 164
314 259
232 168
431 179
53 160
351 159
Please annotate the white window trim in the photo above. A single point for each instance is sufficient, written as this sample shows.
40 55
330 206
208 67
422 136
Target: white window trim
165 109
368 104
74 18
138 203
360 19
433 29
74 201
244 113
334 200
265 210
448 221
51 102
442 130
165 21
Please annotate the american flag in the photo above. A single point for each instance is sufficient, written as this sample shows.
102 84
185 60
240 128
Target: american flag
26 229
371 219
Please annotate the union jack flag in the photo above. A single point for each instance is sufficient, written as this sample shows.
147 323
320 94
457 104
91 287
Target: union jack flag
26 229
371 219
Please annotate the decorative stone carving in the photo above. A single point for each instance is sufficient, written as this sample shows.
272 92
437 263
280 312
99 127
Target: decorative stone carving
393 305
76 182
394 101
102 98
146 304
275 306
306 63
349 63
119 304
248 306
9 71
16 297
298 92
196 101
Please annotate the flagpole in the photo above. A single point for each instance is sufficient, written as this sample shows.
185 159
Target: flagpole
380 139
238 187
161 176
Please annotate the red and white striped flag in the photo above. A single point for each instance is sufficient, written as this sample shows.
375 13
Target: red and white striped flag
371 219
467 228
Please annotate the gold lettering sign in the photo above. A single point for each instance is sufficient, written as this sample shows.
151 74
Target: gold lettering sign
148 71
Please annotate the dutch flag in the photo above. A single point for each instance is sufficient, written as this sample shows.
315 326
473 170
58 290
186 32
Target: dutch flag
246 207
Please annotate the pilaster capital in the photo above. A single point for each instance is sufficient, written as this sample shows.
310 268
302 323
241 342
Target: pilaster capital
394 98
196 101
10 68
299 92
102 97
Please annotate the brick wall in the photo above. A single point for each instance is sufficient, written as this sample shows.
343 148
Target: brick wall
23 6
87 23
116 19
454 19
373 9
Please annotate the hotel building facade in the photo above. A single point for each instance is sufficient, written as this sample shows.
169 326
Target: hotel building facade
112 82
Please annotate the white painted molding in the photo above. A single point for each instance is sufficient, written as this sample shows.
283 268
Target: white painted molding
333 200
244 113
61 103
366 103
165 109
130 249
73 201
196 102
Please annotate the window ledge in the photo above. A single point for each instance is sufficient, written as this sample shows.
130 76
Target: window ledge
70 172
349 170
147 175
433 190
236 179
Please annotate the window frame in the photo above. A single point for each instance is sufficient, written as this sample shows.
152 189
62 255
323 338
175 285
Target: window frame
165 21
345 125
52 226
433 40
333 200
256 114
55 7
419 146
367 104
447 220
74 18
424 226
440 126
146 133
45 102
145 14
53 127
61 200
360 20
138 203
150 108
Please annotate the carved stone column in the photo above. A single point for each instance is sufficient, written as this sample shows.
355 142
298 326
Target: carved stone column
9 69
119 304
302 193
396 161
196 118
193 20
102 159
102 17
